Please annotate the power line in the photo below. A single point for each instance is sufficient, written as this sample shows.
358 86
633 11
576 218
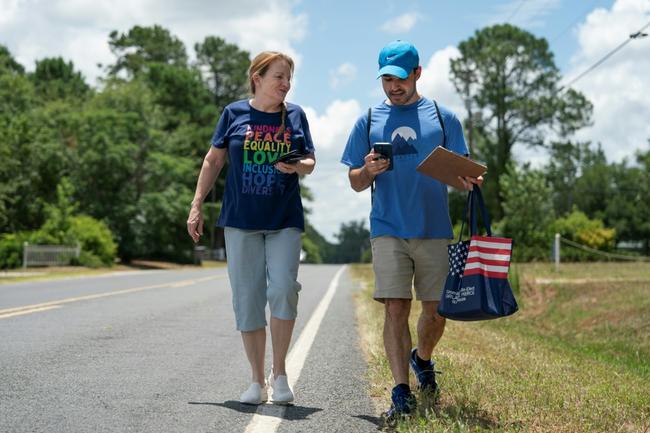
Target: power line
567 28
635 35
516 10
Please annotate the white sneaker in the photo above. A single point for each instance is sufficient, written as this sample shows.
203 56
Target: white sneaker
282 394
255 394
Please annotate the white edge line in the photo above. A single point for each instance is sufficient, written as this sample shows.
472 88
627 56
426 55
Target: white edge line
268 417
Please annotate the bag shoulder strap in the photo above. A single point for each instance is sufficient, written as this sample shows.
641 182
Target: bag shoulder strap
372 184
442 124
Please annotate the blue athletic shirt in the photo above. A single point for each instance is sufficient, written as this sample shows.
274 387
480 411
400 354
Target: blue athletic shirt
257 196
406 203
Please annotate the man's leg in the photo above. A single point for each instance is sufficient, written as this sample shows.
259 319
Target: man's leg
393 284
397 338
431 268
431 326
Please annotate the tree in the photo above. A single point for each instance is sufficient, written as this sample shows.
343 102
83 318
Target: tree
528 212
353 240
323 249
224 67
627 208
8 64
509 83
54 79
16 174
563 171
594 186
142 46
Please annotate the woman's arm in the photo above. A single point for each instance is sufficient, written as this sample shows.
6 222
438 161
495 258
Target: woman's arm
212 165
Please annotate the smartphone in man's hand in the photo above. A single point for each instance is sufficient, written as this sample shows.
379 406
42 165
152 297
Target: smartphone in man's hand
384 151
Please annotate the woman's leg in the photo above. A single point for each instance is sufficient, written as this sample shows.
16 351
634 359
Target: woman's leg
281 331
247 274
282 259
255 346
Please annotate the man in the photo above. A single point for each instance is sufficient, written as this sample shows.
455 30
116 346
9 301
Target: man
410 226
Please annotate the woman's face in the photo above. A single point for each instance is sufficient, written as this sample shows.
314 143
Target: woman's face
275 83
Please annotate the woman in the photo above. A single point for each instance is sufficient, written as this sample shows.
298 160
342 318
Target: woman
261 213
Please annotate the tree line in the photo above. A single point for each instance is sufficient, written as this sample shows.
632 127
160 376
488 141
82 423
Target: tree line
512 93
114 167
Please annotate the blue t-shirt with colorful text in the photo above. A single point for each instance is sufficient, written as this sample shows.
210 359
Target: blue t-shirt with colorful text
257 196
406 203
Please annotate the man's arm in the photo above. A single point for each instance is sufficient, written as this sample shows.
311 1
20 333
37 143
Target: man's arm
362 177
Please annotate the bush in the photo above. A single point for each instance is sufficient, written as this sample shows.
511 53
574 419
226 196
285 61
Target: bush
11 249
88 260
96 240
94 237
577 227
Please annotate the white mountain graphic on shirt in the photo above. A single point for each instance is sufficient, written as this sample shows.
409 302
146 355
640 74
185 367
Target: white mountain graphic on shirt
403 139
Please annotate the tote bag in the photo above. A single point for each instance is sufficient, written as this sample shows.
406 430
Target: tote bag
477 286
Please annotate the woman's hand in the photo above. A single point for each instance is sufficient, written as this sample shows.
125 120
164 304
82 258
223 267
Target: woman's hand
303 166
195 223
287 168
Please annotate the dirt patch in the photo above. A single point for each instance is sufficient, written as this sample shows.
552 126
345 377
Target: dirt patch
548 281
538 296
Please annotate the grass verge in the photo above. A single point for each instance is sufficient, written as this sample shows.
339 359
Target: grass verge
51 273
575 358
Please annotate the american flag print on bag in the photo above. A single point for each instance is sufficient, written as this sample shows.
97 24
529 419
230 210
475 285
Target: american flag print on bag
488 256
477 286
457 258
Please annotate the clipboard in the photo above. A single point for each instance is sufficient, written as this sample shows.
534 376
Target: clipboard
445 166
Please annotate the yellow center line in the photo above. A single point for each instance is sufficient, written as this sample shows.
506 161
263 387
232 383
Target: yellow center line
26 309
29 311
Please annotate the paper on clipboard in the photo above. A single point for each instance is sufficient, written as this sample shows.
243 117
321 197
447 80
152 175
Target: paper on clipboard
445 166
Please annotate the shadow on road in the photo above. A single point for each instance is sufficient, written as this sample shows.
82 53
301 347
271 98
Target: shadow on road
290 412
371 419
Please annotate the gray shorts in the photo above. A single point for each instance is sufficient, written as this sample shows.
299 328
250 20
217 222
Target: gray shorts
401 264
263 267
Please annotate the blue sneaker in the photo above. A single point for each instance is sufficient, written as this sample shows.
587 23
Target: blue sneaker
426 376
403 405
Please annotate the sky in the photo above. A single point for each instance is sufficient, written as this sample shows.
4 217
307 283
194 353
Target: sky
335 44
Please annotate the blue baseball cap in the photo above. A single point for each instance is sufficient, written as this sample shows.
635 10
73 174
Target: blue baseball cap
398 58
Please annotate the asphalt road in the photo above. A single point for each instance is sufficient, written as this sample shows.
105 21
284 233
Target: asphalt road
157 351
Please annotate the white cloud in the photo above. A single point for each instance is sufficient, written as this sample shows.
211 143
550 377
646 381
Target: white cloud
78 29
334 201
401 24
618 88
8 8
344 74
435 81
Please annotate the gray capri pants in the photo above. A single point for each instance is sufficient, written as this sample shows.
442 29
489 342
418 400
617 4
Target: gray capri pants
263 267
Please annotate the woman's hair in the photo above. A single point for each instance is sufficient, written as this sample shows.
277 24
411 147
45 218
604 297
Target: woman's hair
260 65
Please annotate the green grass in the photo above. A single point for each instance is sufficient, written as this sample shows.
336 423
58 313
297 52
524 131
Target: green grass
575 358
52 273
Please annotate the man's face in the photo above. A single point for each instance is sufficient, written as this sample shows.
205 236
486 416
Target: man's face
401 92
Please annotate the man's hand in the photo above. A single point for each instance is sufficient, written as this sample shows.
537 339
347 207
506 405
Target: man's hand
469 182
195 223
374 165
